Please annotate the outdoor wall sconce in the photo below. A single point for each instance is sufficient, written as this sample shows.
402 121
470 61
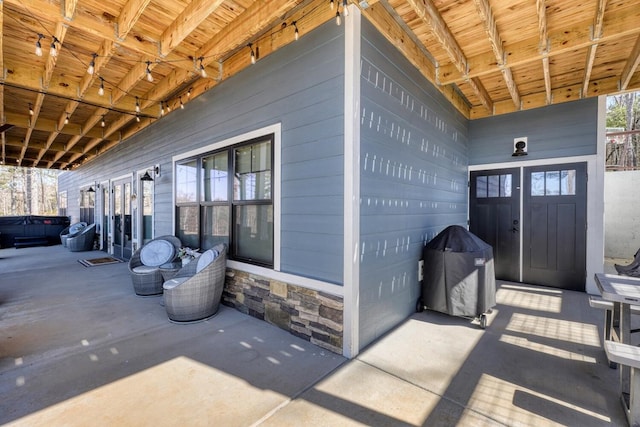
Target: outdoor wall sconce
148 177
520 146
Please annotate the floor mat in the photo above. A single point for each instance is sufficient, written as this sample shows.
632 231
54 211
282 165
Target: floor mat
99 261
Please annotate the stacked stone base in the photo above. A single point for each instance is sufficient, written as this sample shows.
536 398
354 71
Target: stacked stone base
311 315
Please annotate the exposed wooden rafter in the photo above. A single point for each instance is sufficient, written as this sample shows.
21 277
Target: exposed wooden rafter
541 10
491 28
592 49
426 10
631 66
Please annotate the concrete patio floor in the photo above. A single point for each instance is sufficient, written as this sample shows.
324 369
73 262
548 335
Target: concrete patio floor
78 348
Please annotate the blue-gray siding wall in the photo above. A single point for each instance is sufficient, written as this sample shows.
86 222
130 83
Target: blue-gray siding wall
300 86
413 180
560 130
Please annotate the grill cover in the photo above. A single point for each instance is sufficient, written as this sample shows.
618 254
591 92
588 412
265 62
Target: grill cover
459 277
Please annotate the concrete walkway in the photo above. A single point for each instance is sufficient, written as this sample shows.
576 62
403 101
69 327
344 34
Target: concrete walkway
78 348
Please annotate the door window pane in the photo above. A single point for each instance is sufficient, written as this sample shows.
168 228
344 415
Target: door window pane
254 232
214 177
147 210
552 183
186 182
494 186
505 185
537 183
568 182
481 187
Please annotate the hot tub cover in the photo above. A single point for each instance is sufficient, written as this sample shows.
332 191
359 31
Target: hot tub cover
459 277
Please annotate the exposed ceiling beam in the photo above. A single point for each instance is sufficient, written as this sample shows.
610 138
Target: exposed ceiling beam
543 47
631 66
618 25
50 64
44 11
43 125
427 11
596 31
250 23
196 12
68 9
491 28
129 15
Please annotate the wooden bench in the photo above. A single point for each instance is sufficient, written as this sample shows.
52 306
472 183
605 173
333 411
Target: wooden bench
627 355
597 302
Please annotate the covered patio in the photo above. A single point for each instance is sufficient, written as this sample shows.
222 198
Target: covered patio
77 347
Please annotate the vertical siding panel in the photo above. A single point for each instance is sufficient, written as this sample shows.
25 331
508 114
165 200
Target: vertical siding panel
413 180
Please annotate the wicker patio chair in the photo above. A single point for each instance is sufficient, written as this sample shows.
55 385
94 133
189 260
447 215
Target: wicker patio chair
70 231
82 241
146 276
194 294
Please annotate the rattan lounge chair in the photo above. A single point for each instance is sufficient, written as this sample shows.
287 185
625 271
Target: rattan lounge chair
145 262
82 241
70 231
194 294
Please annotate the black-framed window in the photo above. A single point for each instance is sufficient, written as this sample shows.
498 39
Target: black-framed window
225 196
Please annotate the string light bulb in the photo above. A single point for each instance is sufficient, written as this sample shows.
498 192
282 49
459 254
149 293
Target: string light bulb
189 93
345 10
161 108
39 45
92 65
149 76
203 73
296 33
102 122
66 120
338 19
137 118
31 110
54 49
331 4
137 105
181 104
101 90
253 54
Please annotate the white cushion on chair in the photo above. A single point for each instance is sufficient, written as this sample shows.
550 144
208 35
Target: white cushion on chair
170 284
157 252
205 259
144 269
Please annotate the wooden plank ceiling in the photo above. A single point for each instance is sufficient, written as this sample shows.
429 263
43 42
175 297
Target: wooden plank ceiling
153 56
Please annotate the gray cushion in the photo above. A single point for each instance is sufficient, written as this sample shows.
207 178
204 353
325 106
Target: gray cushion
144 269
157 252
205 259
170 284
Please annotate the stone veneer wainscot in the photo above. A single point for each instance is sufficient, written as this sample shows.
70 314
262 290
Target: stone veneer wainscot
311 315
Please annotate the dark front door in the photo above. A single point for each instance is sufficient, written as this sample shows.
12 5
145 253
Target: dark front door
494 216
552 223
555 225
